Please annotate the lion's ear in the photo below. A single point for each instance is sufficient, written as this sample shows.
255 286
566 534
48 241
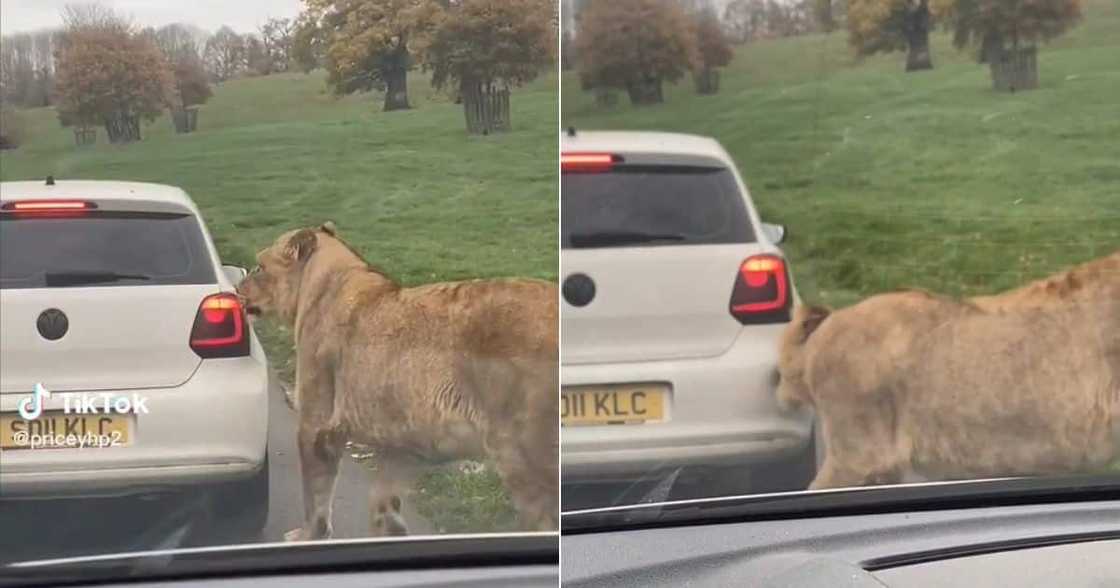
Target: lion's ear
302 244
329 228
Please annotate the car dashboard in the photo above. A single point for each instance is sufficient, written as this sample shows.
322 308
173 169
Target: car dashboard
1074 545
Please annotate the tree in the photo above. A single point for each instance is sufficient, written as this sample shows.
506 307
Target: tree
225 54
1006 33
713 50
276 35
634 45
309 41
876 26
108 74
482 48
258 62
822 13
11 128
180 47
369 44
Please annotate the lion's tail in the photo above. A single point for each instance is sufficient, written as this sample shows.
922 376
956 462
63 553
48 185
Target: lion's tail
793 389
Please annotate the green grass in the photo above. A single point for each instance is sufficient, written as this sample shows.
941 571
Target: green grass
887 179
409 189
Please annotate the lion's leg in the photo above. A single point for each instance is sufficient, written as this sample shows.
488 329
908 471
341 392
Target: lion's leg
392 481
531 482
861 448
320 452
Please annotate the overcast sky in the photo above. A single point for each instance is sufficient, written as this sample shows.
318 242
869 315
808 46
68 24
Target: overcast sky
242 15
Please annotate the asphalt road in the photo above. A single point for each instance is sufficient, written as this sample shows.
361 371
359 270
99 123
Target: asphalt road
45 530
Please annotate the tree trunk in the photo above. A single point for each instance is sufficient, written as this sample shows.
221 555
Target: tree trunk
917 38
707 81
990 47
122 128
1014 70
396 89
645 91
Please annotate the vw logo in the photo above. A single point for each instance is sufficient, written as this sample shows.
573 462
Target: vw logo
53 324
578 290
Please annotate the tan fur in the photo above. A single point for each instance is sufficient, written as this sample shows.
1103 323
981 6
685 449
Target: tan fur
1027 382
422 376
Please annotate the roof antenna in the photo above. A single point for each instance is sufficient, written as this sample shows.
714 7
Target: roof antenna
571 131
50 180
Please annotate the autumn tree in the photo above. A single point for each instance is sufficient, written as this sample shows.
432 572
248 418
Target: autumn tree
11 127
635 45
225 54
1007 33
482 48
879 26
713 50
370 44
109 74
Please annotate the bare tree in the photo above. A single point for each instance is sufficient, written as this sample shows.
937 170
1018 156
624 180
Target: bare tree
277 36
225 54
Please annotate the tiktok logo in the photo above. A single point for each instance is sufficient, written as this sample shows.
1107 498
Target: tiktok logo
31 407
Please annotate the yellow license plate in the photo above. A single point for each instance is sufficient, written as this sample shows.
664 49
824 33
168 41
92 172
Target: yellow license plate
613 405
58 430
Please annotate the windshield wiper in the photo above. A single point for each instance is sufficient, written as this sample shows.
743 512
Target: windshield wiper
76 278
608 238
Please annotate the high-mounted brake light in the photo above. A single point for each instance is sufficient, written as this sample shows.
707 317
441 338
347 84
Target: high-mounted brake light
219 328
762 291
587 162
48 206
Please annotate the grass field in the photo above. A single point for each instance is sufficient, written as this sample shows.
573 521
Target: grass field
409 189
887 179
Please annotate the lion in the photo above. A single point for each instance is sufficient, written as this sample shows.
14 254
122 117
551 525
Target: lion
1022 383
422 376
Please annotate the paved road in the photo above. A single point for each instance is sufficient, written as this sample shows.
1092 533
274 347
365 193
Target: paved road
40 530
351 512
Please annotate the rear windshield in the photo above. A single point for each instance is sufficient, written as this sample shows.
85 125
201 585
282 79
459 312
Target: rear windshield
652 205
103 249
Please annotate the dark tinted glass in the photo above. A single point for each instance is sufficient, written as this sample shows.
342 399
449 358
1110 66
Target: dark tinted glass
652 205
166 249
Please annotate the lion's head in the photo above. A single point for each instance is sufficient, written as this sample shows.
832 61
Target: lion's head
272 288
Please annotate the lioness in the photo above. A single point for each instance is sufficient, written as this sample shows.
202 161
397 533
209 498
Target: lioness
1026 382
423 376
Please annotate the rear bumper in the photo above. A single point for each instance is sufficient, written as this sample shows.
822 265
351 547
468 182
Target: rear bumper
722 411
214 428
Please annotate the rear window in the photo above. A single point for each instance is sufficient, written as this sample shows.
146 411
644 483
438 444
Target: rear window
642 205
102 249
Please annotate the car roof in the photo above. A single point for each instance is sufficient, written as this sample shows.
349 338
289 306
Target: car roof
134 195
645 142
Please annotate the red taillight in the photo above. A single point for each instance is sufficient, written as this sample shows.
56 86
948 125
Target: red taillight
587 162
761 293
219 328
48 206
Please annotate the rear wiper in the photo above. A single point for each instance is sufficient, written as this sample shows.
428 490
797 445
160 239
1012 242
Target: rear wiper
620 238
75 278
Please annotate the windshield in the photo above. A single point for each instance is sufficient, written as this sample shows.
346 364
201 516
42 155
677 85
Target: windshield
678 205
194 201
928 293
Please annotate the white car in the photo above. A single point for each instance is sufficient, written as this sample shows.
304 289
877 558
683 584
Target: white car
675 295
113 291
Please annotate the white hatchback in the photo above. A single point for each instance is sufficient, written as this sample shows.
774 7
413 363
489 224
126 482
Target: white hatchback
127 365
675 297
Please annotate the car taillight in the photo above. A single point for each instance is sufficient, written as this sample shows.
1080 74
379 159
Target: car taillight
588 162
48 207
762 291
219 328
